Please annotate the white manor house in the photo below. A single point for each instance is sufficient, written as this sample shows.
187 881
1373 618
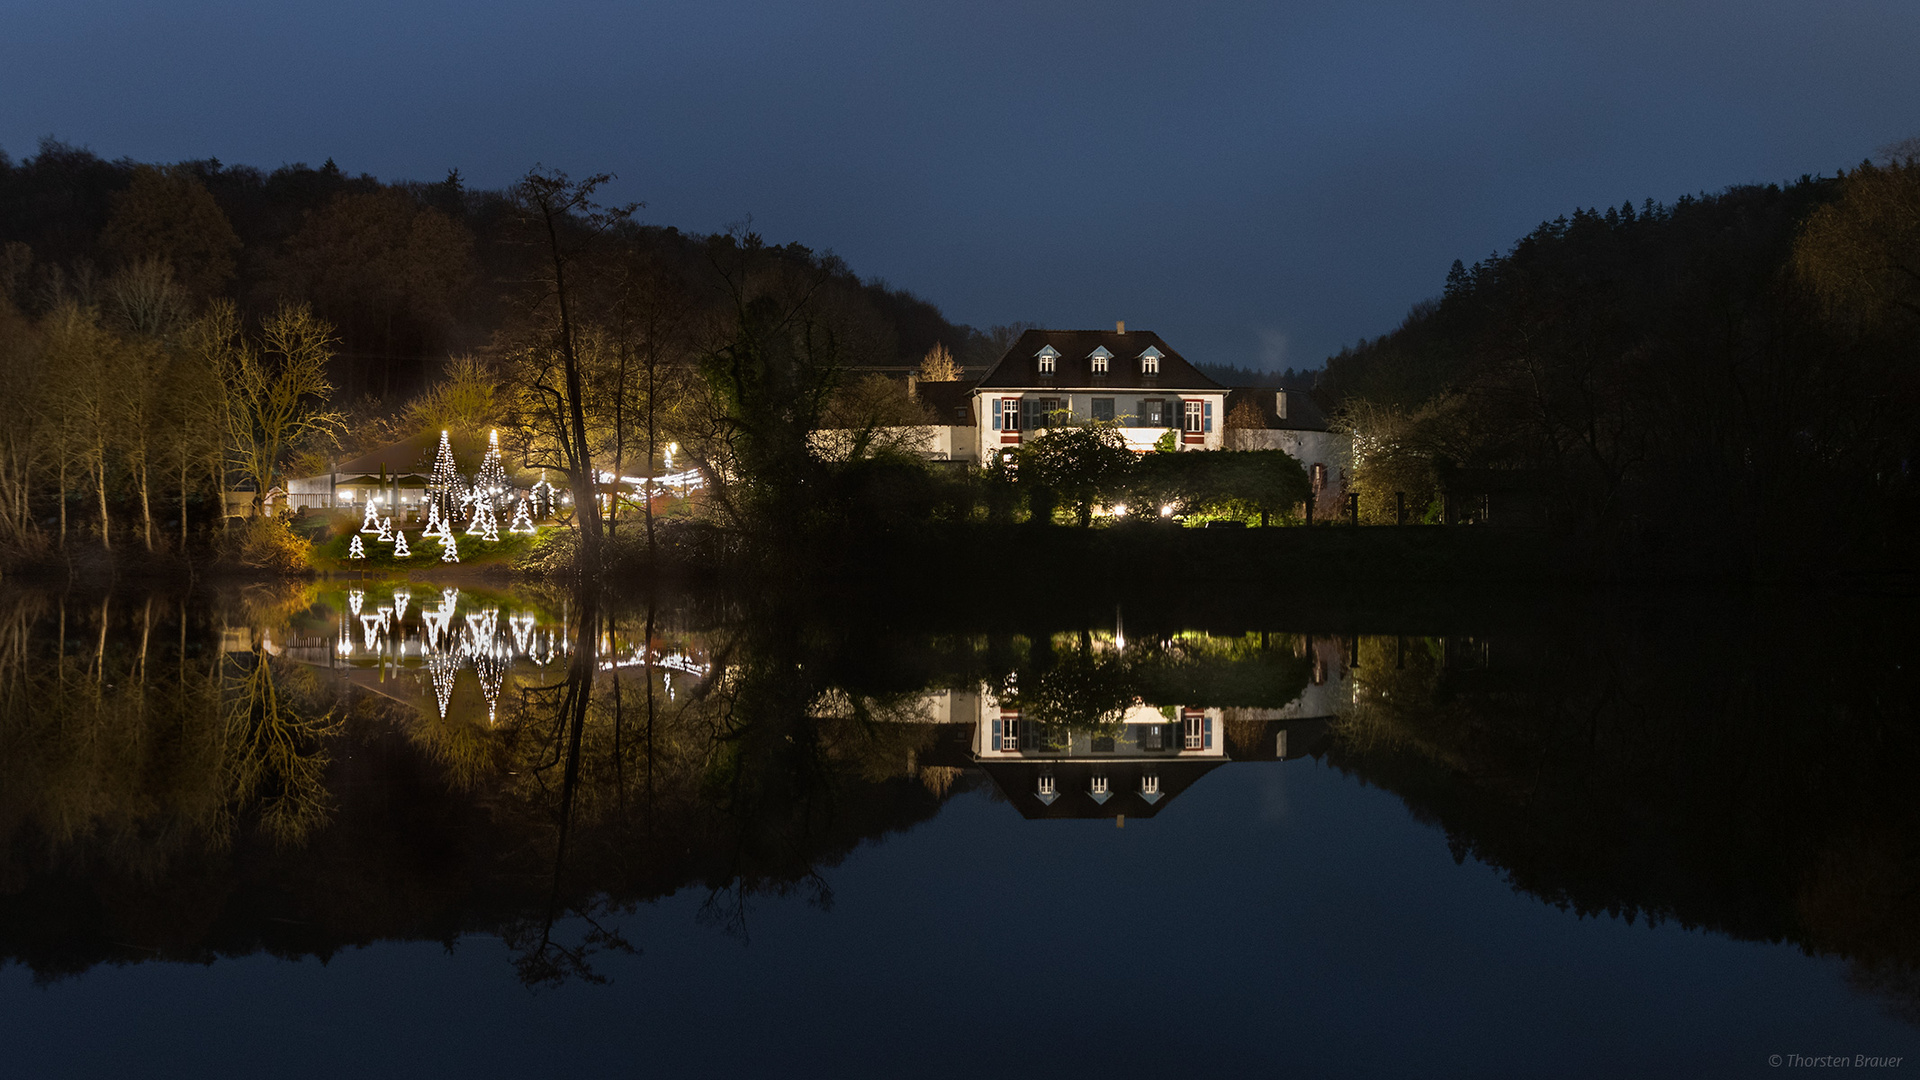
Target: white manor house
1135 380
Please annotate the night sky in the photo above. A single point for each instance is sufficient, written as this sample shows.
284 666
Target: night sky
1259 183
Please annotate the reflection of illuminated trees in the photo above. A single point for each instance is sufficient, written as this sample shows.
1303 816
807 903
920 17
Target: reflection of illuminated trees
140 749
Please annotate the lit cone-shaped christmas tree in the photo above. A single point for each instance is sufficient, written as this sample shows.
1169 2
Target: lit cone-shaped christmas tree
483 522
371 522
522 520
357 550
386 531
490 484
401 551
443 484
449 548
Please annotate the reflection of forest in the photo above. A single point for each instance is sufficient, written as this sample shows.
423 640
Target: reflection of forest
1745 769
171 788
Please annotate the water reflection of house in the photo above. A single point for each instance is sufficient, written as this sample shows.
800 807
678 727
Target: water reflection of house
1137 765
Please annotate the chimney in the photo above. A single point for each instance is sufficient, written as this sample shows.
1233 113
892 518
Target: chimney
1120 327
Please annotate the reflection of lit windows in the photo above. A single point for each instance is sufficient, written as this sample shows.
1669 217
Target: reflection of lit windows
1150 737
1195 723
1150 784
1103 744
1099 785
1009 731
1045 786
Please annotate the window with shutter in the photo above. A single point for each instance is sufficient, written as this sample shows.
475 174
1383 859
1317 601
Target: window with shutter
1195 723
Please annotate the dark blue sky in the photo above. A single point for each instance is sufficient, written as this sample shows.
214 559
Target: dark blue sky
1259 183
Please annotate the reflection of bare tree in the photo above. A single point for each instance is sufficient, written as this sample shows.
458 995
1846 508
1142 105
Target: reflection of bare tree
276 759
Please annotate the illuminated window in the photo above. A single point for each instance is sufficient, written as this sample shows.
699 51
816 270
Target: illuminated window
1046 358
1153 413
1194 419
1009 414
1099 357
1150 361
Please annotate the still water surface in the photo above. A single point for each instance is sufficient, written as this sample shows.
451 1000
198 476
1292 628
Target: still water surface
409 830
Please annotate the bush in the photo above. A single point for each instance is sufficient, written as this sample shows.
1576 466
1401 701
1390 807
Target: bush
267 544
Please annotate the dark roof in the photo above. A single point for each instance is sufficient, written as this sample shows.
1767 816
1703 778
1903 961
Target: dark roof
951 402
1018 369
407 457
1017 779
1302 413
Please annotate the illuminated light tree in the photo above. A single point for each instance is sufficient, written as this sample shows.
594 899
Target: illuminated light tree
490 484
386 530
522 520
401 551
483 523
371 522
444 486
449 548
358 550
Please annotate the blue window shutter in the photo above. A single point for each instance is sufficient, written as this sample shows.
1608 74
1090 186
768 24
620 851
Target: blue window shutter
998 728
1206 725
1207 420
996 423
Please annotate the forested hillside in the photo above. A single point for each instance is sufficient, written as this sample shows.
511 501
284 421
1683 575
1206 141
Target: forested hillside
406 273
1729 379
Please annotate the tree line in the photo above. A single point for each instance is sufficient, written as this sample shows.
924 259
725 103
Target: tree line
172 332
1729 379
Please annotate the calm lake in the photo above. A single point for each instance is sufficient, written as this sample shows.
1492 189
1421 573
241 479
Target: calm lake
402 829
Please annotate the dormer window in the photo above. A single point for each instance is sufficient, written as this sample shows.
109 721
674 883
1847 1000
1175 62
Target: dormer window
1150 361
1150 788
1099 358
1044 789
1097 789
1045 359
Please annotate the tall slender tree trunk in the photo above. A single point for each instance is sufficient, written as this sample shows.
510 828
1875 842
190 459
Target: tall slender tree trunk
146 508
100 485
586 497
